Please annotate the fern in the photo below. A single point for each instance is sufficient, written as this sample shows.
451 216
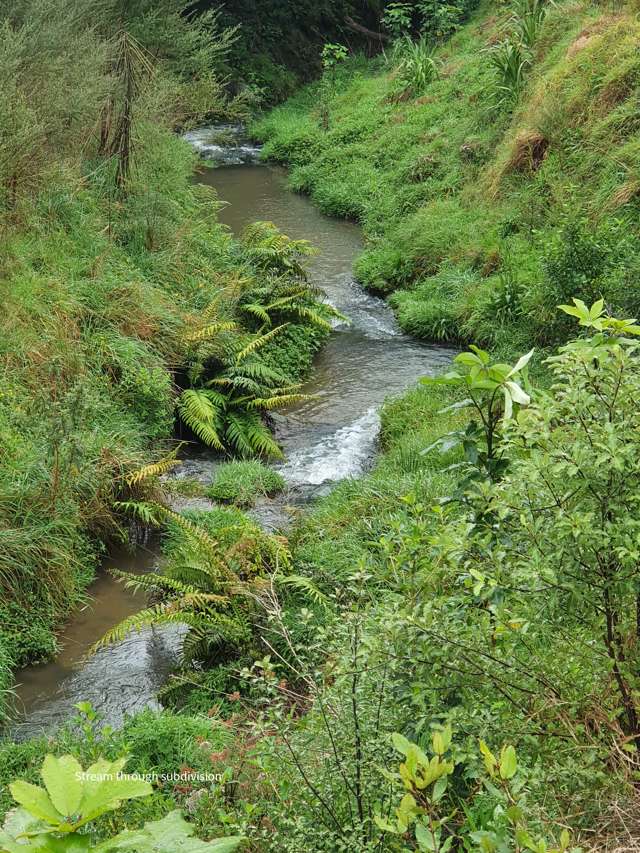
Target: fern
209 331
306 586
257 311
155 469
276 402
143 512
200 413
248 435
259 342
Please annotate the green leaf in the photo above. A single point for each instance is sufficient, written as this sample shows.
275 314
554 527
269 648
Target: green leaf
468 358
384 825
104 790
438 789
169 835
36 801
425 838
490 760
62 778
508 762
401 743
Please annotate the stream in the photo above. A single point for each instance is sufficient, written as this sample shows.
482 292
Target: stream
325 439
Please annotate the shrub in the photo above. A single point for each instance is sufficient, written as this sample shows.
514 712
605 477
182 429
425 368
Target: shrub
415 67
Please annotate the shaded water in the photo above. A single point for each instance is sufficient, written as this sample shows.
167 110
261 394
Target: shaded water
327 438
117 680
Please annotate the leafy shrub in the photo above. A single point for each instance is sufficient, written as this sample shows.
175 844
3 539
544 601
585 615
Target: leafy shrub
241 483
510 62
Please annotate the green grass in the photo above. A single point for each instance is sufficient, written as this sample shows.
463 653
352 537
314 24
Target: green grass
463 202
241 483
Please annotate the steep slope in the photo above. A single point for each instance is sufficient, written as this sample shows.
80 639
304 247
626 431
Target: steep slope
484 212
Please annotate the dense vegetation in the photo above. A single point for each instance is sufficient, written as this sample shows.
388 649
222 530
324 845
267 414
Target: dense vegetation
443 654
112 262
495 177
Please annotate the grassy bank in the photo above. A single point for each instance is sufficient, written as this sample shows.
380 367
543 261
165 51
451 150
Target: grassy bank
111 259
483 212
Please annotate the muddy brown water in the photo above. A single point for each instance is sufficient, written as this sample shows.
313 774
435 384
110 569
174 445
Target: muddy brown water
328 438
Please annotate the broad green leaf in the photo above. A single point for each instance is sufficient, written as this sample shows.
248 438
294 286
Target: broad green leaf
401 743
596 309
425 838
104 790
172 834
62 778
508 762
36 801
9 844
468 358
441 740
438 789
385 825
490 760
482 355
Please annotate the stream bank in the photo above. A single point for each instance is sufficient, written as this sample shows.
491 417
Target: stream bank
325 439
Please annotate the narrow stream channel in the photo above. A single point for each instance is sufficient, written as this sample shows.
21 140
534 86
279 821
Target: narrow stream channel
325 439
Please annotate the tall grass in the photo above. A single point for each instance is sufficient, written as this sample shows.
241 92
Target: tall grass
105 246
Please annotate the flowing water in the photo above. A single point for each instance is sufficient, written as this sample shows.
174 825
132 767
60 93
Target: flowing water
327 438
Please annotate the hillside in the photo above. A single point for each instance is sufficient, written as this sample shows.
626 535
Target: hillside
485 205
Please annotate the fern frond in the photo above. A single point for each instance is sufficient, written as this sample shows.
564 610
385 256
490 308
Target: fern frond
248 434
140 510
193 531
257 311
270 403
208 332
155 469
306 586
152 582
259 342
202 415
312 317
150 616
